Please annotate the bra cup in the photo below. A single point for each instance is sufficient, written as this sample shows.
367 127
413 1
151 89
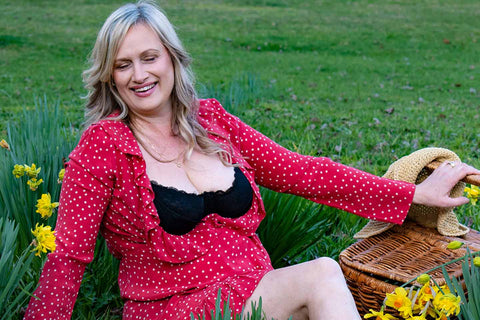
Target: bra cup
180 212
232 203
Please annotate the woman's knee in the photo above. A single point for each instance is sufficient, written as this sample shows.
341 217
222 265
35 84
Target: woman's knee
329 277
327 268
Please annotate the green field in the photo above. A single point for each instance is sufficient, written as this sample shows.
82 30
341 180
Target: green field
367 80
363 82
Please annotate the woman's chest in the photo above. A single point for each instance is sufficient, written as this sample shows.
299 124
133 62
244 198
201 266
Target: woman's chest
198 174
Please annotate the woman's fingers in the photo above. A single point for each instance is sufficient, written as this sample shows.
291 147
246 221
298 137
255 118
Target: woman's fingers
435 190
455 202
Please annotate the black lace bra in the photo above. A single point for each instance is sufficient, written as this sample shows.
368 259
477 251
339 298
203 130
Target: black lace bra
180 211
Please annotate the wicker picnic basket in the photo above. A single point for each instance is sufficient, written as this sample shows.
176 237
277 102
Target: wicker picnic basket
375 266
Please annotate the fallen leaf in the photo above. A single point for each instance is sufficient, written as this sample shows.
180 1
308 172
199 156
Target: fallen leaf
389 110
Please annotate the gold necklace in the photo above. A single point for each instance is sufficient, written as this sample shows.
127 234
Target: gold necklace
177 160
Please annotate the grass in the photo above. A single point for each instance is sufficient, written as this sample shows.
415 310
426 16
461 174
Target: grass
363 82
368 80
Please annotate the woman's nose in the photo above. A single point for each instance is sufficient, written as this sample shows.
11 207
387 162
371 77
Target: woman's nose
139 73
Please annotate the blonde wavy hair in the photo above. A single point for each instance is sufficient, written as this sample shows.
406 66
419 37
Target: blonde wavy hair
103 98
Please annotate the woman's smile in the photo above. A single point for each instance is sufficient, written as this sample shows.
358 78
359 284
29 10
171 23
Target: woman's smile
144 90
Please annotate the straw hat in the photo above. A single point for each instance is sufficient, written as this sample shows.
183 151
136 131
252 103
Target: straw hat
412 169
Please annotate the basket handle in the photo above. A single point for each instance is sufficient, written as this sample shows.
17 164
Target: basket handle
471 178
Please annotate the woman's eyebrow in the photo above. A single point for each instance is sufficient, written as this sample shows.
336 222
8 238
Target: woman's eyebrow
150 51
146 52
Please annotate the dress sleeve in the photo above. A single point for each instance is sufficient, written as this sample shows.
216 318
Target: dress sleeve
318 178
85 195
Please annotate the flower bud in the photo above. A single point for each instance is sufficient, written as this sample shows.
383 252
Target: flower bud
476 261
32 171
61 174
4 144
423 278
18 171
455 245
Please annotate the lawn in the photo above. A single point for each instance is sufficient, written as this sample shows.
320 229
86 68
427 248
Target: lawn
367 80
363 82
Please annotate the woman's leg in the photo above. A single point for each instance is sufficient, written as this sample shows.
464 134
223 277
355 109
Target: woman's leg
312 290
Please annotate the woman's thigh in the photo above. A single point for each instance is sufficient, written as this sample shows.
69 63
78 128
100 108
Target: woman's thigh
280 293
310 290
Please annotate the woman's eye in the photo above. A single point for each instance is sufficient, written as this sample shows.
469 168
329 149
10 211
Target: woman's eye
121 66
150 58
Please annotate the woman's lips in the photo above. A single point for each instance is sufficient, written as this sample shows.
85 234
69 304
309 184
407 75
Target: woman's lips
143 91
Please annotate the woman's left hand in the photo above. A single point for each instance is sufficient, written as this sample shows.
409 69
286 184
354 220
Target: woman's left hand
435 190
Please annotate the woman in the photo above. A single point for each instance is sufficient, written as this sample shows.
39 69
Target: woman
170 181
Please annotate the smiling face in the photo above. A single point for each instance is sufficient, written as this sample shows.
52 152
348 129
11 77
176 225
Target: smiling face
143 73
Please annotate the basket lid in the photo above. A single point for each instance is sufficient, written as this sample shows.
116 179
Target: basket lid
405 252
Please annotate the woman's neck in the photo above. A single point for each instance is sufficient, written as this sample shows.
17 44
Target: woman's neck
152 125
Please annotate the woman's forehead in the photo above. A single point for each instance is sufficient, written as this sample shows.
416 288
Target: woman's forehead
139 38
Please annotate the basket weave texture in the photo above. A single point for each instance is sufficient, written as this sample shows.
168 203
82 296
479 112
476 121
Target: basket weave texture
377 265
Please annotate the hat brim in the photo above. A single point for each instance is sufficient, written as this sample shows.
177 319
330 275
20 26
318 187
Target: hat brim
373 228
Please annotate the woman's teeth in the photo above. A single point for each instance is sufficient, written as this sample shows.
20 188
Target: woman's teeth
145 88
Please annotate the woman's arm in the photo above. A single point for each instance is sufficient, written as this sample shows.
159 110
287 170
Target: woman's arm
316 178
85 195
325 181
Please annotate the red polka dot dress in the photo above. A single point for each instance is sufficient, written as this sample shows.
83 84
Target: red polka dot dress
166 276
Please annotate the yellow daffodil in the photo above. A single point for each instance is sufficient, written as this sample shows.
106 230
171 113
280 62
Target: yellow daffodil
473 193
4 144
425 294
18 171
399 301
379 315
476 261
61 174
45 206
453 245
447 303
445 289
32 171
44 239
34 183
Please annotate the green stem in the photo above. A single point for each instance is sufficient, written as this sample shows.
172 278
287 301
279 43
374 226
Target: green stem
442 265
